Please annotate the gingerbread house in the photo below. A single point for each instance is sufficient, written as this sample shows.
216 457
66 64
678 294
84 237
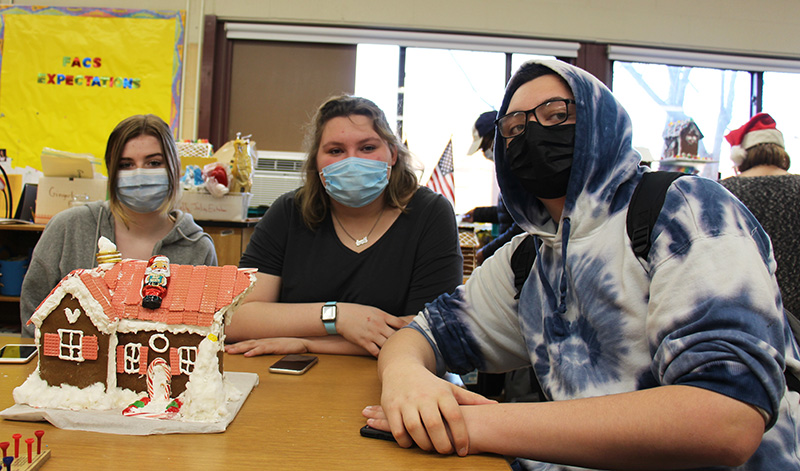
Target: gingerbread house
92 328
681 140
468 241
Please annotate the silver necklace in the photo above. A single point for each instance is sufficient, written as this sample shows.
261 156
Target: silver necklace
365 239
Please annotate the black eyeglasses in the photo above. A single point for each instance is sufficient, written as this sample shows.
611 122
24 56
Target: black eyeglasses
549 113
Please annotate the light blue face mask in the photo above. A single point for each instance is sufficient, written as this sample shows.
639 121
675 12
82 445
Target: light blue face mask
355 182
143 190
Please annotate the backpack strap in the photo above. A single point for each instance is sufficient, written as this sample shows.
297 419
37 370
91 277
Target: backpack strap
792 379
522 261
645 206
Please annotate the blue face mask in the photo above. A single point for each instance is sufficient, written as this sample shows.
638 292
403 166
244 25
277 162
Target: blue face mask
143 190
355 182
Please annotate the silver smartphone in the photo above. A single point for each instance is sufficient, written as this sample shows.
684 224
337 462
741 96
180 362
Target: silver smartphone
293 364
15 353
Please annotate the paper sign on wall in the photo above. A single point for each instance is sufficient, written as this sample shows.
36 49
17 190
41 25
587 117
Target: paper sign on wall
67 79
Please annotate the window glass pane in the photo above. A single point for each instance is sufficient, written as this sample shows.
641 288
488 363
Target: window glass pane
376 77
445 92
780 101
655 95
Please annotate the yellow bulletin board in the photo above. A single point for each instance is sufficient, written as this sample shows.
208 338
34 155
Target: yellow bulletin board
69 75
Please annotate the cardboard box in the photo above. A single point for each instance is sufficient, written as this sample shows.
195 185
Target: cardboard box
204 207
55 194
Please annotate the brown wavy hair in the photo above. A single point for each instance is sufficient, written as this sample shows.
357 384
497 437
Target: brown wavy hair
130 128
766 153
311 198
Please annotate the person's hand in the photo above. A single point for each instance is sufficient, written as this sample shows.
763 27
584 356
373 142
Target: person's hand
269 346
366 326
418 407
467 217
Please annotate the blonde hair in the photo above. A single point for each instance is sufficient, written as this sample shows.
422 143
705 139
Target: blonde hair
130 128
311 198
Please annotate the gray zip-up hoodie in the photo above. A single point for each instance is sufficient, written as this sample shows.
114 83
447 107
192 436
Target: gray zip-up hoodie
70 239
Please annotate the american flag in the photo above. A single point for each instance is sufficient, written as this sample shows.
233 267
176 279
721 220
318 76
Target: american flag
442 178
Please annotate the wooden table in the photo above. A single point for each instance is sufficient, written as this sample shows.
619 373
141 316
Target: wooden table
288 422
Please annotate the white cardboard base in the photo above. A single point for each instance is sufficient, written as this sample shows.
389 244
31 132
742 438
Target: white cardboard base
112 421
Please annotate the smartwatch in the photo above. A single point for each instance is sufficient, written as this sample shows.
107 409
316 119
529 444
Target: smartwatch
329 317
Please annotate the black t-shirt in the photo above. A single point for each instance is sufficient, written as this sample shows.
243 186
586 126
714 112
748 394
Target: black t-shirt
414 262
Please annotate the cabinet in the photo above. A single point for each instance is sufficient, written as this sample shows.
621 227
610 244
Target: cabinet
230 238
16 239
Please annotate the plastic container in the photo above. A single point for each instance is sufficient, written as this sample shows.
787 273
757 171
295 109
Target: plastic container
12 272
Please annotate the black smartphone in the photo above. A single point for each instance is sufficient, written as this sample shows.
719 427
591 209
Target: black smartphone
369 432
12 353
293 364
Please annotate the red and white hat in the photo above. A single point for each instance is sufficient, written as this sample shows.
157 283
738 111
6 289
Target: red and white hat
760 129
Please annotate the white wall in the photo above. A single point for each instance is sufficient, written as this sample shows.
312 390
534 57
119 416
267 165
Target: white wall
743 26
767 27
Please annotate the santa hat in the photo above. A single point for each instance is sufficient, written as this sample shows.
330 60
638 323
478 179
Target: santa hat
483 126
759 130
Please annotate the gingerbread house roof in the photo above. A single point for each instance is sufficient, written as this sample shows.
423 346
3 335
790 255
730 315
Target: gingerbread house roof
676 128
195 296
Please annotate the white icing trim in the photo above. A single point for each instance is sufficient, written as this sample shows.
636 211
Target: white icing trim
159 336
72 315
111 366
74 286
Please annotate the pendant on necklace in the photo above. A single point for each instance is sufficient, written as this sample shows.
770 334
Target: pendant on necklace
361 242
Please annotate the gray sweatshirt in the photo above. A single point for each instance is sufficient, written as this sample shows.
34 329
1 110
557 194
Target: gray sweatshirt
69 242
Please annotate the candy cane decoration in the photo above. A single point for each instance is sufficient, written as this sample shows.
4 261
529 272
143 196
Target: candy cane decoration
158 381
157 404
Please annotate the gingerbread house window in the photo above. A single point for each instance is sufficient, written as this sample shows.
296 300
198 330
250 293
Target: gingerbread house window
69 347
159 343
187 356
132 357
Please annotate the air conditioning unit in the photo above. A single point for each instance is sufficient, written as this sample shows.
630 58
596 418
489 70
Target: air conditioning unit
276 173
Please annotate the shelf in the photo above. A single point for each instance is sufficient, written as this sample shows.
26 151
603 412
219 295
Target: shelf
22 227
9 299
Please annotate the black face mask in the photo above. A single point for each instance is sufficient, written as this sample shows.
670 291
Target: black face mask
541 159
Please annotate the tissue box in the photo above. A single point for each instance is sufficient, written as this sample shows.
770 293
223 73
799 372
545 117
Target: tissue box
204 207
56 193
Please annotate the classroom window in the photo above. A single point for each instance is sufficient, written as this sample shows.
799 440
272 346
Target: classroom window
781 102
444 92
656 94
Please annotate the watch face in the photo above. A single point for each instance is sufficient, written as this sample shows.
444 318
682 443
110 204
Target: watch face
328 313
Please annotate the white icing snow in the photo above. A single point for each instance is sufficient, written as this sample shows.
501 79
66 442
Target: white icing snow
206 392
37 393
105 246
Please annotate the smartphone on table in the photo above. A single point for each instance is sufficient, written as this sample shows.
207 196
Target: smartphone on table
17 353
293 364
369 432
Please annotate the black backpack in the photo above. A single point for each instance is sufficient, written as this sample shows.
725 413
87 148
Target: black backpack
645 206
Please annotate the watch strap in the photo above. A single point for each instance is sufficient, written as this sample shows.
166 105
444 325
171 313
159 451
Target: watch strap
330 325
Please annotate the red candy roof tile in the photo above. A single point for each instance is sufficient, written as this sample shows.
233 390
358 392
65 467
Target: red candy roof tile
194 293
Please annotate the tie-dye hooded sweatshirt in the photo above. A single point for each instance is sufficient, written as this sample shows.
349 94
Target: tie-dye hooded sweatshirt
593 319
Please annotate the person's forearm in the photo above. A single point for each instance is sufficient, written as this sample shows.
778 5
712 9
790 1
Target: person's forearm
406 347
670 427
255 320
333 344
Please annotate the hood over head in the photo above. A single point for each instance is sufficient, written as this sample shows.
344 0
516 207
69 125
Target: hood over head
604 161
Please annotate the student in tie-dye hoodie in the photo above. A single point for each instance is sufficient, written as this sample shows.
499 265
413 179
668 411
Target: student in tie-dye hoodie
674 362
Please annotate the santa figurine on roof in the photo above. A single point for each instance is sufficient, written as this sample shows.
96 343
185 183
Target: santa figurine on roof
155 281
